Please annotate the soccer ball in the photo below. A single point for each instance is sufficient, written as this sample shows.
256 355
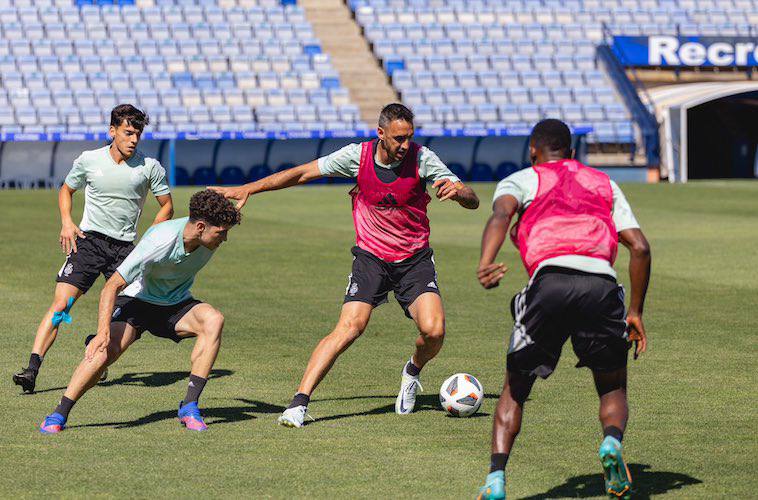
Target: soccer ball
461 395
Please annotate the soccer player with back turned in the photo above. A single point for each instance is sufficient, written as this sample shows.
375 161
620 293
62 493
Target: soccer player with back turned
571 218
117 179
392 250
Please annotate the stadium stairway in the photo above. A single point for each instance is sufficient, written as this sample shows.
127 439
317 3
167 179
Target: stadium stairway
360 72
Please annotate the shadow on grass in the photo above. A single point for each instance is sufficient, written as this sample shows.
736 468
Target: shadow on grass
646 483
148 379
212 416
158 379
424 402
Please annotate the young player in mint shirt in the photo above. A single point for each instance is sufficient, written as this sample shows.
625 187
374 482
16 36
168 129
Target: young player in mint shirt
117 179
155 281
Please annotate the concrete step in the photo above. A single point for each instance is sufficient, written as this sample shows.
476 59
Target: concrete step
360 72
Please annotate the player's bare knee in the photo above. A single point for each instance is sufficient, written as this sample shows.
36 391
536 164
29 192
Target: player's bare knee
214 324
59 304
432 329
111 355
103 358
351 328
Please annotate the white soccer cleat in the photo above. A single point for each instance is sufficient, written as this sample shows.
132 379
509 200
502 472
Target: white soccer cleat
293 417
406 398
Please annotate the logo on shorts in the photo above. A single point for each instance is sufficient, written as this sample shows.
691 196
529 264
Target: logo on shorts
431 284
116 312
68 269
353 289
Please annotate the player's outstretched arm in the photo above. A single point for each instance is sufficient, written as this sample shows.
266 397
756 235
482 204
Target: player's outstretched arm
457 191
639 276
280 180
489 272
111 289
69 230
166 211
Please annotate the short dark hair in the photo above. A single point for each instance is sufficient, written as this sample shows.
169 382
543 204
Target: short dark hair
551 135
395 111
133 116
211 207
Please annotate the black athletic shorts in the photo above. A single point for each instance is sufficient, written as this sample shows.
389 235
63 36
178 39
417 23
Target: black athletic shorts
159 320
96 254
560 303
373 278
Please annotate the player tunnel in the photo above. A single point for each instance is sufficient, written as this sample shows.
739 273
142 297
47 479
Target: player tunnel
709 130
722 136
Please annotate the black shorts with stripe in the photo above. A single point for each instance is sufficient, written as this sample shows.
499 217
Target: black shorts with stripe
561 303
372 278
95 254
159 320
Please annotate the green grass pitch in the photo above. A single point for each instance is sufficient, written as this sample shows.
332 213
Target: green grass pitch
280 279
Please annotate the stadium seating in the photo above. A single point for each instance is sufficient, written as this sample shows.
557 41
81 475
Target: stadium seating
195 66
452 61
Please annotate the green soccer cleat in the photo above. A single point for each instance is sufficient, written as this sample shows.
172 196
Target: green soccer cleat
618 481
494 488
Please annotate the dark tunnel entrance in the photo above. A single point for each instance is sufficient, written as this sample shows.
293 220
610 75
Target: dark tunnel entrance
722 136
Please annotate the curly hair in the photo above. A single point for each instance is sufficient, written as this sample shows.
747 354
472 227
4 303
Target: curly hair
211 207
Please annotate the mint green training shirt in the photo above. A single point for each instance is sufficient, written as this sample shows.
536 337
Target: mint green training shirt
345 162
158 269
115 193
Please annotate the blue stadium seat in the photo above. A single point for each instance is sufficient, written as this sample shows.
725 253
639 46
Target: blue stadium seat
481 173
458 170
232 175
204 176
258 172
505 169
181 178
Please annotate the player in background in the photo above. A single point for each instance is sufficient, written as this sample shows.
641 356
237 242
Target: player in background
117 179
571 218
392 250
154 283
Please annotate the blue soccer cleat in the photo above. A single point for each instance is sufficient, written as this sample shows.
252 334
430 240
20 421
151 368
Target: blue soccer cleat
189 416
494 488
618 481
53 424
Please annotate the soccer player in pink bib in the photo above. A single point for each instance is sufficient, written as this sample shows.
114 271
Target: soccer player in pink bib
392 250
571 218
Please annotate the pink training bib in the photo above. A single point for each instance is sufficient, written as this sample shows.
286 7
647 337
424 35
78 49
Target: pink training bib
571 215
390 218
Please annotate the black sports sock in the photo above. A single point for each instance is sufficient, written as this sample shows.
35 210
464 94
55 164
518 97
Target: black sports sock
498 461
64 407
300 399
412 369
35 361
614 431
195 387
